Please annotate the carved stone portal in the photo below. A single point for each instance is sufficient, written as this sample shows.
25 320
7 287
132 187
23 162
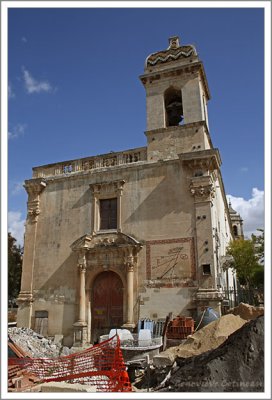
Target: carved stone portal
102 252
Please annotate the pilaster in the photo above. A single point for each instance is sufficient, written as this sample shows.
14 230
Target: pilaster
201 166
34 189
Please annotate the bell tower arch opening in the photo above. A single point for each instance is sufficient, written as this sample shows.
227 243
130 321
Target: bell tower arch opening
173 107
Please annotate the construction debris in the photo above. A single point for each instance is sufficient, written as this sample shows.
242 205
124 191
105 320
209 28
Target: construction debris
35 345
247 311
207 338
100 366
235 366
54 387
180 327
227 355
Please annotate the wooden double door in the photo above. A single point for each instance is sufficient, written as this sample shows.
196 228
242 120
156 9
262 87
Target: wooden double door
106 304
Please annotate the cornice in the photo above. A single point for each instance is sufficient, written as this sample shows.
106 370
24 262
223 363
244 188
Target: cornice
150 77
209 158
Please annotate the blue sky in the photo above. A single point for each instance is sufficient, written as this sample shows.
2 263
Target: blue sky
74 90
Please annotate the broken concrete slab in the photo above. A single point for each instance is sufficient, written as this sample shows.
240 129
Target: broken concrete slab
58 339
165 359
64 387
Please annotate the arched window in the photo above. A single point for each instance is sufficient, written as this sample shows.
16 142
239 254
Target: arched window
173 107
235 230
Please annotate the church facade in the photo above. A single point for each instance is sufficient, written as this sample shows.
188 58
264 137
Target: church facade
114 238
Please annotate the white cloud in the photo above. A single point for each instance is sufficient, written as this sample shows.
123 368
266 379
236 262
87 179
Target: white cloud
251 211
16 131
34 86
10 92
16 226
16 187
244 169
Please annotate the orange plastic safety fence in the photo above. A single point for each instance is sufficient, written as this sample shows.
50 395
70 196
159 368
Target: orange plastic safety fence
101 366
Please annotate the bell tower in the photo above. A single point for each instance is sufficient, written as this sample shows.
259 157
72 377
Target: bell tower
176 101
237 223
177 94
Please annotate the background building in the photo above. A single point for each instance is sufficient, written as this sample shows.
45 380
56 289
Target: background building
133 234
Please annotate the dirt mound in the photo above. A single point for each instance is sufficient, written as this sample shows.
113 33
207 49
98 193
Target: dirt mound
247 311
235 366
207 338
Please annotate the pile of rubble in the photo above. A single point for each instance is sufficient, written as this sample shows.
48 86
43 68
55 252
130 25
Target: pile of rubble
35 345
235 366
225 355
207 338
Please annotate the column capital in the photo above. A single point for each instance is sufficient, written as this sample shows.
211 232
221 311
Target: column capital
202 187
130 266
82 262
34 187
202 190
130 263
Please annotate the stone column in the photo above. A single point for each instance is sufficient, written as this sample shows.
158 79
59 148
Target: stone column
82 297
80 327
34 188
130 289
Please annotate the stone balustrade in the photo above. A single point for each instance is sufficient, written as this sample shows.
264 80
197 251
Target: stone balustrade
91 163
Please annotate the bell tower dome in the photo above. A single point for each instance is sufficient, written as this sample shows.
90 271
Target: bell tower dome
176 101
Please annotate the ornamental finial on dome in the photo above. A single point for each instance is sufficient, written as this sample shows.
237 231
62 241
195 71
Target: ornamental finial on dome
174 52
173 42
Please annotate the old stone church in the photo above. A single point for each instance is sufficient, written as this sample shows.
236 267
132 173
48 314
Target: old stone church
135 234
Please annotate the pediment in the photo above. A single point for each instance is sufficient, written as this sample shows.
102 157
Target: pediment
105 240
82 243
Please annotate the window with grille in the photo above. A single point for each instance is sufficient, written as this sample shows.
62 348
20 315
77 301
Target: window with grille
108 214
206 269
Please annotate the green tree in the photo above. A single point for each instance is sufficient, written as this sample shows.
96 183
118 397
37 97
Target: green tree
258 241
14 267
245 260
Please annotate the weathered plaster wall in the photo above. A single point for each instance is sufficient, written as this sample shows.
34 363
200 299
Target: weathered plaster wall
156 205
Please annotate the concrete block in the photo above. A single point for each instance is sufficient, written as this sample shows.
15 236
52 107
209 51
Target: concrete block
164 360
144 338
58 339
66 387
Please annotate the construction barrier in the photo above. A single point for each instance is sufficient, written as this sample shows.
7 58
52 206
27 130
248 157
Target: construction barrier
101 366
